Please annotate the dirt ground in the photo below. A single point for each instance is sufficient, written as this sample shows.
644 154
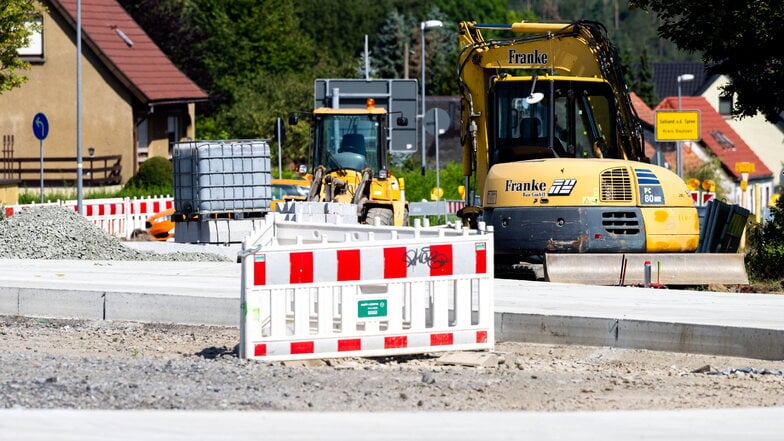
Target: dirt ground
524 377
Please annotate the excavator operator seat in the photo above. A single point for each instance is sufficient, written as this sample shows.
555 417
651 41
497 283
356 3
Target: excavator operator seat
529 128
352 143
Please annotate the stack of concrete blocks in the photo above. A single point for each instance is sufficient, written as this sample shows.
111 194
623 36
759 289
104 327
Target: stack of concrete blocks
319 212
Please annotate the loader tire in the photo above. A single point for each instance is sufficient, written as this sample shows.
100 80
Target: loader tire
385 215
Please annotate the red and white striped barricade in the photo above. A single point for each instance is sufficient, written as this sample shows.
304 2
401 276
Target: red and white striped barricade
139 210
10 210
415 291
116 216
107 213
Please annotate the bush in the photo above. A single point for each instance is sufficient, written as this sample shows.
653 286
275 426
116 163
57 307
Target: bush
765 249
155 177
418 187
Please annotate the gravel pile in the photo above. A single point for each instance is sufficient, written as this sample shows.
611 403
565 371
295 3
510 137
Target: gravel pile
79 364
51 232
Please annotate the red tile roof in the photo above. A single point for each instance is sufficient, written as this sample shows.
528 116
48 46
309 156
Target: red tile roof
643 111
646 116
718 136
129 52
690 159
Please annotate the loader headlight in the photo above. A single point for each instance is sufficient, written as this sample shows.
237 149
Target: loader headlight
491 197
382 174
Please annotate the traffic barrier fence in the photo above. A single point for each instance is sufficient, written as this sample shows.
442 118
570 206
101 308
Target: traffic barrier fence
119 217
404 291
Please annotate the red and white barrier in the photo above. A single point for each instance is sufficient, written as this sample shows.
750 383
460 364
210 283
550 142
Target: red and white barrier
10 210
422 290
116 216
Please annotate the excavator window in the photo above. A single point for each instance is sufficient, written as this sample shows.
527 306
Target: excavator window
572 119
530 128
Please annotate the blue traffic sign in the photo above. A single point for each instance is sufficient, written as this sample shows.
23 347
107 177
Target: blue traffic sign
40 126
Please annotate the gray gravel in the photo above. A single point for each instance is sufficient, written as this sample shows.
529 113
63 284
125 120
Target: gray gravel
51 232
77 364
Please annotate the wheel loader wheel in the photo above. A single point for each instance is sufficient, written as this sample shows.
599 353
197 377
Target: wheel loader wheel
385 216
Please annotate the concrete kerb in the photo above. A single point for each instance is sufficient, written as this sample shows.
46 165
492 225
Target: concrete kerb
533 312
640 334
124 306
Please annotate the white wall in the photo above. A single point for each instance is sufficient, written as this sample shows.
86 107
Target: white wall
763 137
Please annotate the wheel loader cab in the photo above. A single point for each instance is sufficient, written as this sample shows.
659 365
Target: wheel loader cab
349 141
569 119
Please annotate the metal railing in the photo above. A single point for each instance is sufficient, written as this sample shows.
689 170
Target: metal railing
61 171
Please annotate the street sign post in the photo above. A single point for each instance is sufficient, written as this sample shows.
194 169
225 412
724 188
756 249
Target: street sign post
744 168
436 122
41 130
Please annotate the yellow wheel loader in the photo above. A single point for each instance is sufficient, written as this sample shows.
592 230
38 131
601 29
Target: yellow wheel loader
553 157
348 154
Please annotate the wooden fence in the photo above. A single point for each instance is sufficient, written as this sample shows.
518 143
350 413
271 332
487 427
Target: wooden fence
97 171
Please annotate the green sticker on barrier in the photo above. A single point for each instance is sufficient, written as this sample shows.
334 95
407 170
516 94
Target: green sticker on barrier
372 308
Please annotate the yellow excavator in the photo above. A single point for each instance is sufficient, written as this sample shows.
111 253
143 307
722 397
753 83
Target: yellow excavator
553 157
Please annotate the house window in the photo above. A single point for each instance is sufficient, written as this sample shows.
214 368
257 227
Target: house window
173 129
143 139
725 104
35 47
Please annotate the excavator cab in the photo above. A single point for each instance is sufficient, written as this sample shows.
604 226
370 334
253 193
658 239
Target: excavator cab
552 118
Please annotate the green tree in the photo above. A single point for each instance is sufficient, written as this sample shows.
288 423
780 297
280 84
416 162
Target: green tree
641 80
724 31
16 27
480 11
393 46
765 250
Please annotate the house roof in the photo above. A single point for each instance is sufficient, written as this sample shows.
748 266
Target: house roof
644 112
129 52
665 78
646 116
719 137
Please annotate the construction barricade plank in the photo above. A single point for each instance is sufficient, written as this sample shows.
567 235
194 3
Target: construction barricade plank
427 292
